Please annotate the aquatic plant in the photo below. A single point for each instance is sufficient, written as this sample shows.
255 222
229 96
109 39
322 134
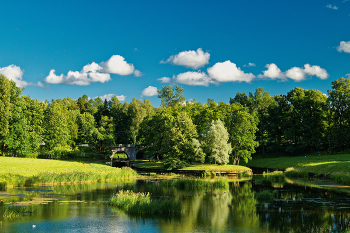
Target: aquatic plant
264 196
16 212
141 203
196 183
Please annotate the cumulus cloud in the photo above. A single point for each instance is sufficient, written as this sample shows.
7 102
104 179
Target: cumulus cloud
13 72
117 65
121 97
149 91
315 71
344 47
193 79
332 7
94 72
164 80
191 59
295 73
272 72
77 78
228 72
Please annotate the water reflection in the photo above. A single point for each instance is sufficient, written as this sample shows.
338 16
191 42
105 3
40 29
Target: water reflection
230 209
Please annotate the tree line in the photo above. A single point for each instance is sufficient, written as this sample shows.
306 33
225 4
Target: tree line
178 131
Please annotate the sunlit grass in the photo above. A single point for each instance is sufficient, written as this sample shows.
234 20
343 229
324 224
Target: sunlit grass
27 172
335 165
192 167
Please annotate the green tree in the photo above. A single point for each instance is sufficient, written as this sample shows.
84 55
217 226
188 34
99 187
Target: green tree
56 128
242 127
215 142
5 110
169 134
103 136
339 102
171 97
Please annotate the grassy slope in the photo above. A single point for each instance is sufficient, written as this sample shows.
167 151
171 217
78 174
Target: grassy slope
337 165
26 171
206 167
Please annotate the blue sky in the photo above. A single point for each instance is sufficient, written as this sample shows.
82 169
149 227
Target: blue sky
213 49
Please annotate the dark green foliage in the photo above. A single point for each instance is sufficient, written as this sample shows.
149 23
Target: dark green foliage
264 196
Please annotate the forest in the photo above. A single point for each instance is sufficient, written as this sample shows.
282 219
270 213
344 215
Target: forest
179 131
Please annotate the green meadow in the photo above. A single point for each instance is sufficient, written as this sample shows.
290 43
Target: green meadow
336 165
26 172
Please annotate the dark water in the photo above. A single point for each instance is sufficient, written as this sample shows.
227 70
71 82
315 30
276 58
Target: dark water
83 208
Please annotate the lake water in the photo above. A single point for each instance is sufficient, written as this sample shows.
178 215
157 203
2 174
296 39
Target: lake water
84 208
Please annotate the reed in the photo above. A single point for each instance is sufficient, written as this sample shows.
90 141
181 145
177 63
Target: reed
196 183
141 203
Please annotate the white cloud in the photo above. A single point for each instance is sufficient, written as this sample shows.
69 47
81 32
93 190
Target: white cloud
316 71
272 72
13 72
249 64
77 78
117 65
137 73
108 97
164 80
149 91
348 75
193 79
94 72
228 72
191 59
332 7
296 73
121 97
344 47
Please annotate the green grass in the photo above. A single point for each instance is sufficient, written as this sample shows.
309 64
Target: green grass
196 183
336 165
192 167
141 203
27 172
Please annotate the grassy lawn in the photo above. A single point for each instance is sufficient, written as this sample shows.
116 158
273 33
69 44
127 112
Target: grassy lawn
26 171
206 167
336 165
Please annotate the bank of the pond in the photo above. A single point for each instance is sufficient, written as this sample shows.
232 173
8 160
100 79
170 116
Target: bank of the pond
195 169
334 166
26 172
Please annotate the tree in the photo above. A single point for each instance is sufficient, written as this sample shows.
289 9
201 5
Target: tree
241 126
169 134
339 104
103 136
56 129
215 141
170 97
5 110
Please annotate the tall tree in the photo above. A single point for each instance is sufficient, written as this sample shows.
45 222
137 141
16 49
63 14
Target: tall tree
5 110
171 97
215 142
56 128
339 104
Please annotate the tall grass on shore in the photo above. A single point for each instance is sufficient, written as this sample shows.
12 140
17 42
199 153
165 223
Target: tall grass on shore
27 172
196 183
141 203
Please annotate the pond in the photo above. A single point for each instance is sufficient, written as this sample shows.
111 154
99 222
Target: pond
84 208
